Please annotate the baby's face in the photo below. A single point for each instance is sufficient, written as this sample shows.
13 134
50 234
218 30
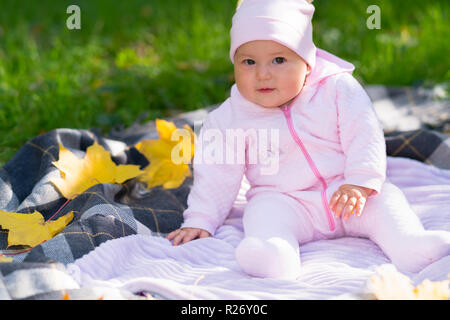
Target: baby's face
268 73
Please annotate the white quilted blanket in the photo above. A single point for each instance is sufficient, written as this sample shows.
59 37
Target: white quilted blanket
206 268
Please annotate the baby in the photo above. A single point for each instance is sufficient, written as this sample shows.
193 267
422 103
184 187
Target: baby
329 147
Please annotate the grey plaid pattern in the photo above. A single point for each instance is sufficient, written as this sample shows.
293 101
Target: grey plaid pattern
103 212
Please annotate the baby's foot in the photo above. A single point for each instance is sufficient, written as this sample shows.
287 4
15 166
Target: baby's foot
422 250
272 258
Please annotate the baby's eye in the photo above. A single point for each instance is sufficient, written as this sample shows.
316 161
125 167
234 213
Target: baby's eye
279 60
249 62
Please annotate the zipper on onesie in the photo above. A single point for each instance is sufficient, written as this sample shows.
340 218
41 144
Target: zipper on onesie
287 113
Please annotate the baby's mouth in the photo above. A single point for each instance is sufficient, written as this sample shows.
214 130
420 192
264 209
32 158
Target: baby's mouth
265 90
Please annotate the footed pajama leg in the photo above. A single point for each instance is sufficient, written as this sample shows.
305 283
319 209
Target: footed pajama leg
272 225
389 221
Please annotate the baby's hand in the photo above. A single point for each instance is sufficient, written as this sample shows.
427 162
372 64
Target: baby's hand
350 197
187 234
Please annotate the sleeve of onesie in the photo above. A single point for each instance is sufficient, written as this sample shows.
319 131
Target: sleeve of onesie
216 183
361 135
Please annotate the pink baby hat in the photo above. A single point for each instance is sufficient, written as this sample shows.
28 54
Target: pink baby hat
287 22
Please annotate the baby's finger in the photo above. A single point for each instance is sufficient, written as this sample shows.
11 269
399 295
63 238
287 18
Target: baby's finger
360 206
204 234
334 199
348 212
172 235
190 235
349 207
178 237
340 205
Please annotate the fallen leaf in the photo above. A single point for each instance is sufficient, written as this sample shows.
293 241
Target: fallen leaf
66 296
389 284
162 172
432 290
5 259
31 229
78 175
169 156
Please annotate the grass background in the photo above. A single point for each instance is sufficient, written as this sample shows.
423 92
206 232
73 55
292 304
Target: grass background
153 58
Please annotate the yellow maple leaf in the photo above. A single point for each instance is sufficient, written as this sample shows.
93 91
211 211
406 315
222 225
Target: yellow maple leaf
5 259
31 229
432 290
78 175
389 284
169 156
65 296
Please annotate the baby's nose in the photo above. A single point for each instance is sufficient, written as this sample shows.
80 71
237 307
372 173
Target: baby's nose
263 73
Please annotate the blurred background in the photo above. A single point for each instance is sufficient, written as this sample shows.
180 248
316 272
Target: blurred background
143 59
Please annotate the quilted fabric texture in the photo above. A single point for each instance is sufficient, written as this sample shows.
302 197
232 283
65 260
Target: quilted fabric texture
334 119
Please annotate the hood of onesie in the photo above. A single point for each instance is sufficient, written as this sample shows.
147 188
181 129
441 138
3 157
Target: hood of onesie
287 22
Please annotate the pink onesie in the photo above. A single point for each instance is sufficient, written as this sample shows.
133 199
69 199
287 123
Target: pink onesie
327 136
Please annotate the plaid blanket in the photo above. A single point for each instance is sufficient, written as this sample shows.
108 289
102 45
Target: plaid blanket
110 211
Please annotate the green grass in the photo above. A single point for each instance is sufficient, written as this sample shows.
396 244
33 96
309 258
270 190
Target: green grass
159 57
